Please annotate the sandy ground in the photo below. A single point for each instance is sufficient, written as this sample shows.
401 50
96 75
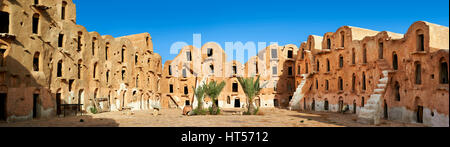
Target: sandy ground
173 118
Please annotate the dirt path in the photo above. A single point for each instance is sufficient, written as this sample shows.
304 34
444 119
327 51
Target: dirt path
173 118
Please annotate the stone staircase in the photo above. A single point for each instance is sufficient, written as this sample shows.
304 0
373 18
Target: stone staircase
294 104
372 111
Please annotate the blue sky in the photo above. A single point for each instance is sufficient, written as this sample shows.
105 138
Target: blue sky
282 21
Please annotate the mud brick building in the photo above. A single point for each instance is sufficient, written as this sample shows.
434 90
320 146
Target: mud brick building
378 75
47 60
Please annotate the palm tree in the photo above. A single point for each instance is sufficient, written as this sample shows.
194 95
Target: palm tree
199 92
213 91
251 89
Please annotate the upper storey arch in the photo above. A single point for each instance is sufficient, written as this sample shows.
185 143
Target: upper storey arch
314 42
327 42
345 35
427 37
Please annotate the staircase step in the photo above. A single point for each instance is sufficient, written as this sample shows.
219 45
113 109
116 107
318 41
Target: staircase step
378 91
381 85
383 80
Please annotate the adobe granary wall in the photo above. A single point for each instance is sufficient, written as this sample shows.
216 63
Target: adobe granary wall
379 75
48 60
192 67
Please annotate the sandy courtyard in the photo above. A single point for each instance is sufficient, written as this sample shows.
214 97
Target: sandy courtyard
173 118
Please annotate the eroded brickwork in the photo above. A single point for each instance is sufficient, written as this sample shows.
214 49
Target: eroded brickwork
48 60
377 74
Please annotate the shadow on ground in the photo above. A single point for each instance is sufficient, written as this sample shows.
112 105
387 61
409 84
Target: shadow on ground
69 121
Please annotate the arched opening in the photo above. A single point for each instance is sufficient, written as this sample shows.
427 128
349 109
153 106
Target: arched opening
380 49
123 54
275 102
342 38
107 76
354 106
317 84
186 90
123 74
395 61
184 73
313 105
364 81
136 58
94 72
170 70
419 114
94 40
328 66
80 34
328 43
341 84
35 23
188 56
211 67
326 105
59 69
397 91
235 87
362 102
237 103
420 40
353 56
80 62
137 81
63 10
60 40
81 99
171 88
341 61
58 103
340 104
36 101
318 66
107 50
443 72
326 85
36 61
418 73
290 54
228 100
4 22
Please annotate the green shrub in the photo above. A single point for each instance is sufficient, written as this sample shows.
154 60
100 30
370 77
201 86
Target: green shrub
255 112
214 112
94 110
198 111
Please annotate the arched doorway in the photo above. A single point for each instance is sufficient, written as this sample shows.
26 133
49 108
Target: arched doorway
237 103
419 110
81 100
36 101
313 105
354 106
341 104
